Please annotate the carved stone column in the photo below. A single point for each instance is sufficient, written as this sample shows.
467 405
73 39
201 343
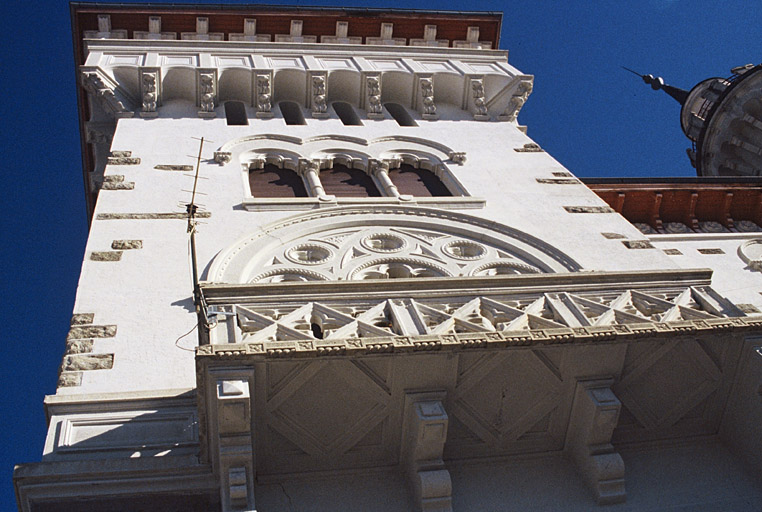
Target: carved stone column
594 415
423 439
380 169
310 170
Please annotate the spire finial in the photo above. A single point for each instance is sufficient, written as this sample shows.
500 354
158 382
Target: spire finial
657 82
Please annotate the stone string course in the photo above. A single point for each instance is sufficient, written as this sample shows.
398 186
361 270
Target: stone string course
463 341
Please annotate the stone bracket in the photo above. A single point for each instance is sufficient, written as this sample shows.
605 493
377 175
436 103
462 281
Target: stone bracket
115 101
424 433
594 415
206 91
230 438
150 91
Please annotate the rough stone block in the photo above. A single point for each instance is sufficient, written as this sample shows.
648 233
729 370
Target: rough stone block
91 331
612 236
106 255
75 346
637 244
82 318
124 245
121 153
170 167
69 379
589 209
80 362
123 161
127 185
114 178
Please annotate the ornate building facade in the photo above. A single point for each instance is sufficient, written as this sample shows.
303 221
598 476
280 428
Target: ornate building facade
328 270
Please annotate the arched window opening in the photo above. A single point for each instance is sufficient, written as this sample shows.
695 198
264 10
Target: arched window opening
272 181
418 182
292 112
400 114
346 113
235 112
341 181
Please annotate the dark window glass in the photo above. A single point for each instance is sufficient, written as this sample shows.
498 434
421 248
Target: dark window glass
418 182
235 112
292 112
400 114
342 181
273 181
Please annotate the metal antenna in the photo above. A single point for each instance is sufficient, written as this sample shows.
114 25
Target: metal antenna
633 72
657 82
198 299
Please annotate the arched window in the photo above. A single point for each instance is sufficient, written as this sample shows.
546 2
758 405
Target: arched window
418 182
272 181
341 181
400 114
235 112
292 112
346 113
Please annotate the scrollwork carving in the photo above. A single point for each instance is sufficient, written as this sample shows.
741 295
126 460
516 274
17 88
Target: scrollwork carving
319 105
427 98
374 95
264 95
206 82
149 90
480 103
517 101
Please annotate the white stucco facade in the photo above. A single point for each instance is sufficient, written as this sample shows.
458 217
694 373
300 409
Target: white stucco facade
312 393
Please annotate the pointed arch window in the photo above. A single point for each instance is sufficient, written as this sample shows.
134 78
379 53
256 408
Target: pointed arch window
341 181
418 182
274 181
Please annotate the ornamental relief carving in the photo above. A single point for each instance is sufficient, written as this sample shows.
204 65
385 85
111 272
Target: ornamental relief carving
390 253
383 243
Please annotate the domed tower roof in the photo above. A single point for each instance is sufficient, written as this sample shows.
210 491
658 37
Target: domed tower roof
723 119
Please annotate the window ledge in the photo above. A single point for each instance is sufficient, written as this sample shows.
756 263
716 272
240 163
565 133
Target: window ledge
253 204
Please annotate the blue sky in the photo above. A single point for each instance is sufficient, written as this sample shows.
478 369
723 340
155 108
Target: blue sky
594 117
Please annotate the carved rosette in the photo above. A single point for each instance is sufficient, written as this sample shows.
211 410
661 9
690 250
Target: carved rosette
264 95
373 91
480 102
427 98
319 104
149 91
517 101
207 90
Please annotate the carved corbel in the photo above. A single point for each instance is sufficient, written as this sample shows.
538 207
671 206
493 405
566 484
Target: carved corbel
423 439
150 91
317 86
517 101
373 96
206 92
105 92
222 157
594 415
480 102
458 157
264 94
428 107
